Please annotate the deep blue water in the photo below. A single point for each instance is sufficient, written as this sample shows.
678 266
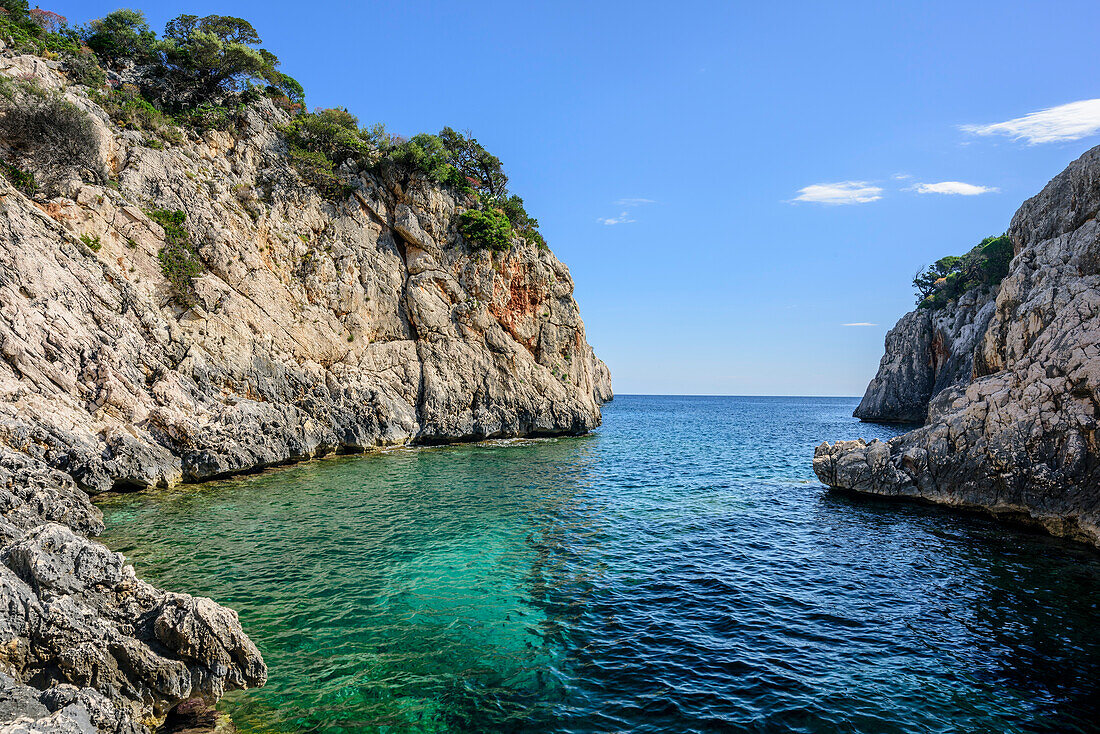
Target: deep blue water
681 570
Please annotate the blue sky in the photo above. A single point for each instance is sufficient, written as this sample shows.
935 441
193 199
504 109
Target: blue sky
664 149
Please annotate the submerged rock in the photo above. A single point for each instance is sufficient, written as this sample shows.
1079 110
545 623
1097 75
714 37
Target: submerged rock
1019 439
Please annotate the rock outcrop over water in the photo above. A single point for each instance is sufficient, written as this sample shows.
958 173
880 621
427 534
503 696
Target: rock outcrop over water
927 352
316 326
1019 439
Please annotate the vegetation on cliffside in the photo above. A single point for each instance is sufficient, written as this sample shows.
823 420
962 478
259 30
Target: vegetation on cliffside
202 73
945 280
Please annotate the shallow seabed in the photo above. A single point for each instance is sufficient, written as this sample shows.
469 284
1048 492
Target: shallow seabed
680 570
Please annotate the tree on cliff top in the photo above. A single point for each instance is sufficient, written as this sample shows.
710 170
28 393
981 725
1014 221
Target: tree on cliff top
479 167
985 265
211 57
121 36
925 281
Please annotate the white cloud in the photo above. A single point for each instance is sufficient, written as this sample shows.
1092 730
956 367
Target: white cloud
860 323
901 176
956 188
841 192
625 217
1071 121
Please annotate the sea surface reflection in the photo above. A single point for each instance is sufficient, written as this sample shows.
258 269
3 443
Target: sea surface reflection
680 570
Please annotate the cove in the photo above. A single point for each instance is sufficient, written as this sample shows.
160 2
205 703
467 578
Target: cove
679 570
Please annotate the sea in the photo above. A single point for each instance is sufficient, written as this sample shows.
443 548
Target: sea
680 569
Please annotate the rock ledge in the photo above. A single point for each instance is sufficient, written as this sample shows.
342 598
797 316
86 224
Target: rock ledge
1018 439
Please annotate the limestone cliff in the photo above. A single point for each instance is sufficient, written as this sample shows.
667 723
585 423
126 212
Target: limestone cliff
927 352
316 326
1020 439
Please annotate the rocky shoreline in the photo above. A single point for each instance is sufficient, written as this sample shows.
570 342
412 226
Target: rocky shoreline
317 326
1015 435
926 353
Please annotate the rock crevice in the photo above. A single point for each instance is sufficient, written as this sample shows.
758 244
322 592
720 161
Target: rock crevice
926 352
1019 438
316 326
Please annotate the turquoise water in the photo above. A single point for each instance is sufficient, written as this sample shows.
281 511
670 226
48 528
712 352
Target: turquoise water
680 570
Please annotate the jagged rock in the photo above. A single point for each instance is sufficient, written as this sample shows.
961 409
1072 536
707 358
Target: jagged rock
1020 440
316 326
601 381
75 614
61 709
927 352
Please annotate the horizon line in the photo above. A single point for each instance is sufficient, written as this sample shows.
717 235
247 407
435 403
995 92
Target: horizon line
721 395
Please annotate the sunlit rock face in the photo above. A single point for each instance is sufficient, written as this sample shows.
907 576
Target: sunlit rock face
1020 438
316 326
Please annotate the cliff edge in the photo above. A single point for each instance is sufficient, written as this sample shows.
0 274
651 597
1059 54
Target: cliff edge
200 309
1018 439
926 352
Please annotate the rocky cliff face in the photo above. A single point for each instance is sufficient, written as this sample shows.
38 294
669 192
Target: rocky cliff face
315 327
1020 440
927 352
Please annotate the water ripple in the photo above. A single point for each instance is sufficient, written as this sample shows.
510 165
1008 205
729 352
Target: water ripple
680 571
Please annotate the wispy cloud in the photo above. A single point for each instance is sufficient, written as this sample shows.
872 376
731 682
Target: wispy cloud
625 216
954 188
1071 121
841 192
901 176
860 323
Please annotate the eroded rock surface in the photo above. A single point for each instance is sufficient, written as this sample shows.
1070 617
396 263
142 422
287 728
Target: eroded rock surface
1020 439
316 326
927 352
105 646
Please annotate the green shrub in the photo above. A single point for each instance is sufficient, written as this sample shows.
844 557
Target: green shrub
31 87
321 140
477 167
83 69
486 228
997 254
424 154
19 30
209 59
129 109
36 31
525 225
986 265
18 36
20 179
209 117
288 88
55 134
332 133
457 160
91 241
120 37
178 259
317 170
